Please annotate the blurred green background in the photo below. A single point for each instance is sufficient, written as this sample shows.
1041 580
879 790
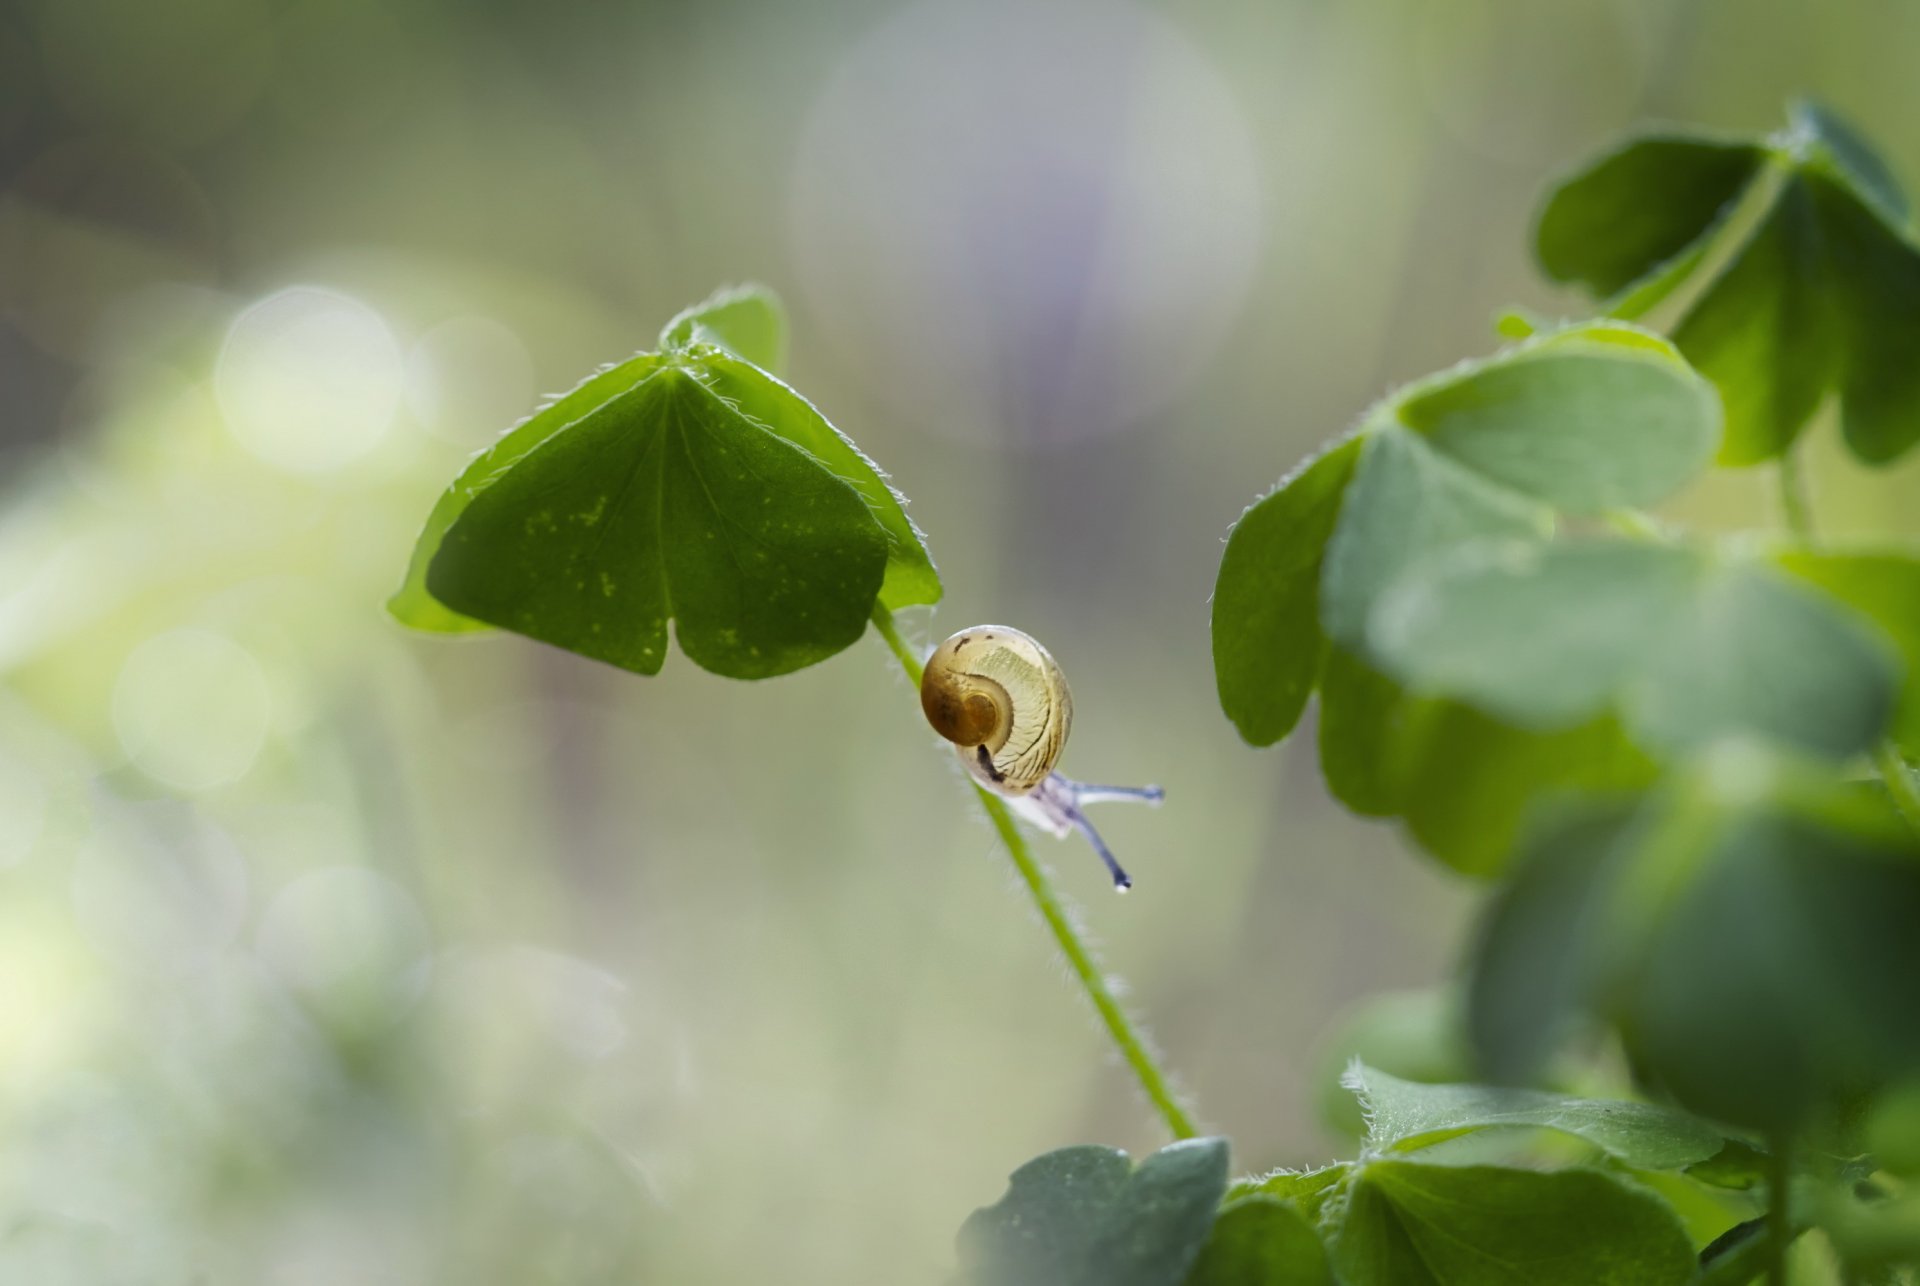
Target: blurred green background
329 954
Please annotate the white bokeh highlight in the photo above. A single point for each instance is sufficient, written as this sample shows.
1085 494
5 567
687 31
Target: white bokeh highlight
309 380
192 709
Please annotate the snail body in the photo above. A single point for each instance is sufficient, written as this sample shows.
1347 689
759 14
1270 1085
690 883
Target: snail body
1001 699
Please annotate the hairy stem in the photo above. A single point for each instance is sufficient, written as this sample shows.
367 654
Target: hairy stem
1887 759
1128 1036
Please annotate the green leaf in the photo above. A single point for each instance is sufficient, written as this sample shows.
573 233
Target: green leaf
1463 782
1406 502
1416 1035
1086 1216
1823 292
771 538
1747 928
1763 331
1756 653
1543 636
911 578
1411 1224
1405 1115
1470 782
1689 648
1883 587
1864 171
1259 1241
667 501
1585 420
1267 644
412 604
1785 974
1875 279
1304 1190
1645 203
746 321
1540 945
1739 1166
1363 715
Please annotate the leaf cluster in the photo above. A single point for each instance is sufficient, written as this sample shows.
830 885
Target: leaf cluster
1413 1209
1682 760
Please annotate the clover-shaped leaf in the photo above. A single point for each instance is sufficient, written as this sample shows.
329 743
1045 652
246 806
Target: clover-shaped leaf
1406 1115
747 321
1747 928
1688 647
1406 1223
1573 422
688 484
1822 291
1260 1241
1577 422
1087 1216
1883 586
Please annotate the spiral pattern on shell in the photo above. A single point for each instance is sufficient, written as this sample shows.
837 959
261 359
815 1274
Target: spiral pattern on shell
1001 699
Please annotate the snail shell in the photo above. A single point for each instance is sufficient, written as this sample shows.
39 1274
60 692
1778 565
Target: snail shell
1001 699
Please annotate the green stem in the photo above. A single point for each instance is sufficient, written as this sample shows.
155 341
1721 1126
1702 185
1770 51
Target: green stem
1795 503
1127 1036
1779 1211
1887 759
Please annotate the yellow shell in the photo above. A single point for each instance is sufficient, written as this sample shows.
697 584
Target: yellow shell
1003 702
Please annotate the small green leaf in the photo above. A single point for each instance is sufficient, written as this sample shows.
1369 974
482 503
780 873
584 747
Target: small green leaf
1647 202
1471 782
1259 1241
1756 653
746 321
1875 274
666 501
911 578
1543 636
1585 420
1823 292
1854 160
1883 587
1417 1035
412 605
1541 941
1406 1115
1763 331
1363 721
1087 1216
1463 782
1739 1166
1406 502
1747 928
1267 644
1304 1190
1689 648
1411 1224
727 507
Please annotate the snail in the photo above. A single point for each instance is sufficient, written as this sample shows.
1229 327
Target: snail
1002 701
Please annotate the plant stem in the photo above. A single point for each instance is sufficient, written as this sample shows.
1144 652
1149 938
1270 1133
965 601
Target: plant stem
1887 759
1128 1036
1795 503
1779 1213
